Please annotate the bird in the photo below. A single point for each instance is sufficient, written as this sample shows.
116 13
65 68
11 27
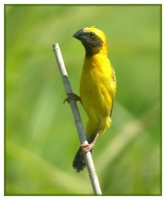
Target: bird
97 89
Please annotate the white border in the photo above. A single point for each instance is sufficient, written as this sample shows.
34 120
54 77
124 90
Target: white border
2 95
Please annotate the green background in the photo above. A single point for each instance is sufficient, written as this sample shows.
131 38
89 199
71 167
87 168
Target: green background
40 135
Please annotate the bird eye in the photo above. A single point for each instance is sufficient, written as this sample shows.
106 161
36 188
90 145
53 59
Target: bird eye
92 34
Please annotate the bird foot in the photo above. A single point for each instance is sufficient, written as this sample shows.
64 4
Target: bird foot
87 147
72 96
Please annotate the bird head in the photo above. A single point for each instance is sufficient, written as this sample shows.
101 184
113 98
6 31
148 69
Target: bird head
93 39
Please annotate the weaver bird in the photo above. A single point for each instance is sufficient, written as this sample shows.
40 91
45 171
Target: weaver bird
97 88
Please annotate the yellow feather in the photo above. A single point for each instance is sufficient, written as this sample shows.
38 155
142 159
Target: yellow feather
97 90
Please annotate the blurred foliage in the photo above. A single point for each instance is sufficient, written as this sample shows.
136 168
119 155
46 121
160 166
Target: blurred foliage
40 136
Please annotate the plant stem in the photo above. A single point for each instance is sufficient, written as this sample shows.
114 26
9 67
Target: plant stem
78 121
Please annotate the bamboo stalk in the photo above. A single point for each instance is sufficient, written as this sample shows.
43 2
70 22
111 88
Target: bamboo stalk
78 122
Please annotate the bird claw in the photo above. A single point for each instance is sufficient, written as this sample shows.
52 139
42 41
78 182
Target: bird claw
72 96
86 147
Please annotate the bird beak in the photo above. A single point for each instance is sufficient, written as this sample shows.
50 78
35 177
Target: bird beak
80 35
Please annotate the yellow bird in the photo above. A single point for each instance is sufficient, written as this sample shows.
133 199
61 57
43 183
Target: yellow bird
97 88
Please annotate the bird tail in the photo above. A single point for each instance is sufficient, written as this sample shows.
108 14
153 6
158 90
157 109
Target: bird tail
79 161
